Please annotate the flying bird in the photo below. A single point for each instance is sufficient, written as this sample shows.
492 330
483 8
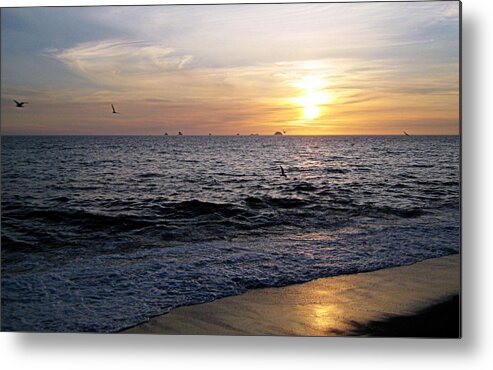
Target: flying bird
114 110
405 133
20 104
282 172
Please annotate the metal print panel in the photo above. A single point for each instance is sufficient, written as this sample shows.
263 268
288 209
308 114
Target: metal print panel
267 169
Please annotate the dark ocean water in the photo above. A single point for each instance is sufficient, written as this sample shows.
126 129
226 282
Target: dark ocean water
100 233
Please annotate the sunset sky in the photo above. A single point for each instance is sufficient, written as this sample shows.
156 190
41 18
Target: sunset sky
371 68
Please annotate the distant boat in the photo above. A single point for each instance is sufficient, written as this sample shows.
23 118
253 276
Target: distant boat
179 133
278 133
405 133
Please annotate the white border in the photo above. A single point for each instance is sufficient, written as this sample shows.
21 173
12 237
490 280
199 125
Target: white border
474 351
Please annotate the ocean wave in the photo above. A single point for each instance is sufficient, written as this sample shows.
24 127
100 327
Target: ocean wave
400 212
272 202
337 170
194 208
83 218
150 175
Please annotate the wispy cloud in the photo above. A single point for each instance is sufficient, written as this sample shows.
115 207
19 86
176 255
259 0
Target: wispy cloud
108 60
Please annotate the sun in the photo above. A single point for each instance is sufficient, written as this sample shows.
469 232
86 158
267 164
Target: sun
315 96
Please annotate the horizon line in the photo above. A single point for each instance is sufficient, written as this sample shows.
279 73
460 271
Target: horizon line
224 135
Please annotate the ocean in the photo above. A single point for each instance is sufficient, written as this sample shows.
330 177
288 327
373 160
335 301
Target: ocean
100 233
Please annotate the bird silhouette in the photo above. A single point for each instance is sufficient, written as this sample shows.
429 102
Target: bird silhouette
282 172
20 104
405 133
114 110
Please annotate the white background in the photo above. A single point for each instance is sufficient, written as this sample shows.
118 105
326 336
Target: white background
473 351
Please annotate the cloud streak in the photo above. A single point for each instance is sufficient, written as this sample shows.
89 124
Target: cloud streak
109 60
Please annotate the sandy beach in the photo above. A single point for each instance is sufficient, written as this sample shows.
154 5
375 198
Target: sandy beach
416 300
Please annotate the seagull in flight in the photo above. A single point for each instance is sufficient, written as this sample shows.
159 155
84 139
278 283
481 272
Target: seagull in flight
282 172
405 133
20 104
114 110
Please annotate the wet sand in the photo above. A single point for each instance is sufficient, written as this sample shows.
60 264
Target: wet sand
390 302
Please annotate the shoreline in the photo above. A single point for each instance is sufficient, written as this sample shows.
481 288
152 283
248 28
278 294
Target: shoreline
388 303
